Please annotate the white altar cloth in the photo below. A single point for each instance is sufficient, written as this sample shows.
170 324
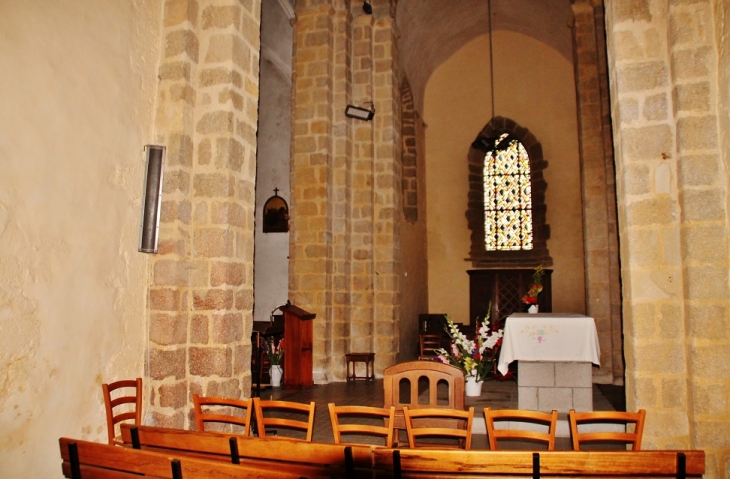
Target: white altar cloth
553 337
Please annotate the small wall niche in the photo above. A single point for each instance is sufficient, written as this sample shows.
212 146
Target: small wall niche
276 214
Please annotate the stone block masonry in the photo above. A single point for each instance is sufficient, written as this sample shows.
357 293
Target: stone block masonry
544 386
346 182
201 290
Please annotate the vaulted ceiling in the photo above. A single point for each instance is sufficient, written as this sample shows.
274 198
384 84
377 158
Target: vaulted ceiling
432 30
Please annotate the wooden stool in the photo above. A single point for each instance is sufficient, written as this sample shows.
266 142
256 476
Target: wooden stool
353 359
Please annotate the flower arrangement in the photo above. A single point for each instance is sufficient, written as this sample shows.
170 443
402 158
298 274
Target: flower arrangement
468 355
275 350
536 288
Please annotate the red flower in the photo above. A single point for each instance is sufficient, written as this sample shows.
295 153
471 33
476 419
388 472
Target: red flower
527 299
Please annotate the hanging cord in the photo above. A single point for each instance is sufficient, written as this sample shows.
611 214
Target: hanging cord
146 373
491 52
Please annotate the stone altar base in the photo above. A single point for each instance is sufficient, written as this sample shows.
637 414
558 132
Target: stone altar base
544 386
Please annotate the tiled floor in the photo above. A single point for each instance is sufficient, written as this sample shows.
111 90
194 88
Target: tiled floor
495 394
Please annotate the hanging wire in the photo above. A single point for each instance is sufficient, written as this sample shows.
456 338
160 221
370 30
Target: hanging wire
502 141
491 52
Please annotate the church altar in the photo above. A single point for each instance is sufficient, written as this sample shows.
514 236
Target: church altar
555 353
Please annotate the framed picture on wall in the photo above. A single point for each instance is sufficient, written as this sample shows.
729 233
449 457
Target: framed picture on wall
276 214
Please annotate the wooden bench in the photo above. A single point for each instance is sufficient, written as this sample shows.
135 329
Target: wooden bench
327 459
92 460
177 454
458 463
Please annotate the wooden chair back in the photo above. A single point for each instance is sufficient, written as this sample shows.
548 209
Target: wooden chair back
583 427
123 402
221 411
281 414
527 418
453 463
428 344
373 416
423 423
410 373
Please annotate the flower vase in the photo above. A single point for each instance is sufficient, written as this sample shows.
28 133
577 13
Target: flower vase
276 372
533 309
473 387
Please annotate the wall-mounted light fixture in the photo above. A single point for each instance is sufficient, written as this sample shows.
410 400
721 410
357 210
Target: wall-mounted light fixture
359 112
366 7
151 199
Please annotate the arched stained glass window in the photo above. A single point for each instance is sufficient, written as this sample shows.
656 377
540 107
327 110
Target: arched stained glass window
507 197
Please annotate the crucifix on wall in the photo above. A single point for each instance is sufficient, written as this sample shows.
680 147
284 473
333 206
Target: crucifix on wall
276 214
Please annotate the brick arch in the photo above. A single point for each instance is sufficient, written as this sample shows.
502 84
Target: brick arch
409 181
478 255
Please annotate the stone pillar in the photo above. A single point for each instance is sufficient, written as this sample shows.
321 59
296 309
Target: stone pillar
345 182
341 196
311 272
603 295
387 183
362 281
673 208
201 284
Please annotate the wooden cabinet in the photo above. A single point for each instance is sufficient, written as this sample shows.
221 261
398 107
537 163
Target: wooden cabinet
504 288
297 347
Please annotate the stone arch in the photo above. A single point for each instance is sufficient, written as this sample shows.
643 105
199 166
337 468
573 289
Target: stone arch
478 255
409 153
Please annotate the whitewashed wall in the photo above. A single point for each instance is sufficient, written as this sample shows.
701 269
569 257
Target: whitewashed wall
77 94
271 256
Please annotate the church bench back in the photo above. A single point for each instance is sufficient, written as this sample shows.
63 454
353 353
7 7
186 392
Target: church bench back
92 460
459 463
216 446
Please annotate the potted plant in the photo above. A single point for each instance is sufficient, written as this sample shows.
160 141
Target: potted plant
275 353
474 357
530 299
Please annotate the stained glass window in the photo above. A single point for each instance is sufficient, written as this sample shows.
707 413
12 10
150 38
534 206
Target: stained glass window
507 198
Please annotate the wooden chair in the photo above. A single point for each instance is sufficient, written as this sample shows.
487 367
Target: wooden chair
426 416
127 391
429 343
282 409
363 413
593 419
515 415
216 416
409 373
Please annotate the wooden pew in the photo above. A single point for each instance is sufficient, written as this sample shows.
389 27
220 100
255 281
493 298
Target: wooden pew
350 460
92 460
592 464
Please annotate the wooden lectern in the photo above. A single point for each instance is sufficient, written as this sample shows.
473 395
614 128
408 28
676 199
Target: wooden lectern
297 347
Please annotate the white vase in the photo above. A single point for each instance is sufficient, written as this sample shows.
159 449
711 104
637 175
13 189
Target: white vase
533 309
473 387
276 372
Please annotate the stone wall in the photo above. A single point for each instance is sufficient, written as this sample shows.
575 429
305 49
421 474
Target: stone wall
201 287
346 182
544 103
600 235
667 89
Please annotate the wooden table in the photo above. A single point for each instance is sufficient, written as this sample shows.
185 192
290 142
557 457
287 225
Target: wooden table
351 360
